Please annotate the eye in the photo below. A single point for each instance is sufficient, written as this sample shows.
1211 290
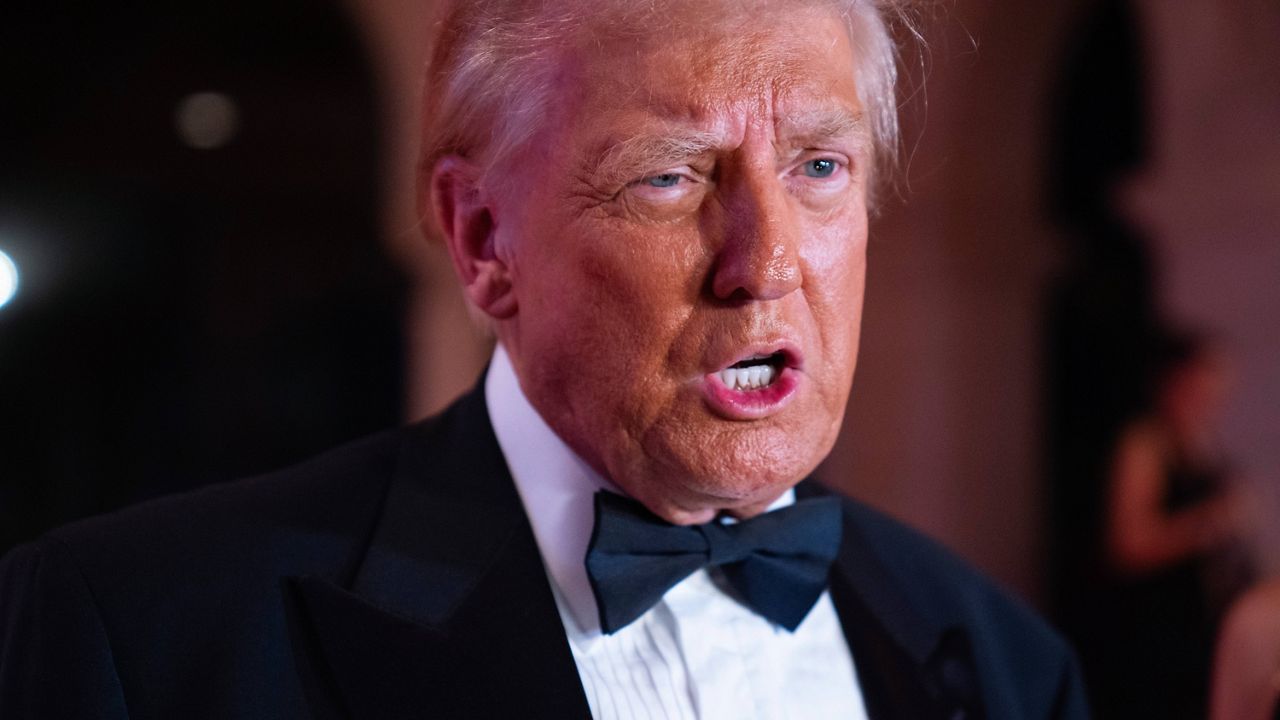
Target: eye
671 187
819 168
664 180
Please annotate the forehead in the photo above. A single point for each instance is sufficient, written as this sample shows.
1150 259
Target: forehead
717 66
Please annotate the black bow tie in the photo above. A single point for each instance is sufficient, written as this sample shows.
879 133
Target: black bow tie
777 563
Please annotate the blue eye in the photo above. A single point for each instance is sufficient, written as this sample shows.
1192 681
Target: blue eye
663 181
820 168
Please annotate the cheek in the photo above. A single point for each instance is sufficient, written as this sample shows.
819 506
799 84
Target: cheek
648 275
834 284
835 275
620 298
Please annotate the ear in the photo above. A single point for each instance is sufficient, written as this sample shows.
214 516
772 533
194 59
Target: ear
466 221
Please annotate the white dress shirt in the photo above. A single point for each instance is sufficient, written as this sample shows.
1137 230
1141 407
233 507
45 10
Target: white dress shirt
696 654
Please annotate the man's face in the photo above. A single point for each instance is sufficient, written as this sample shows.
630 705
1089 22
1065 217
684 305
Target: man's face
694 204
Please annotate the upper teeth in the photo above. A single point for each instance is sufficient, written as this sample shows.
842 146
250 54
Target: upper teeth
747 378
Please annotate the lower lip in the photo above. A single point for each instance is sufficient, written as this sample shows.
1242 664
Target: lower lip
751 404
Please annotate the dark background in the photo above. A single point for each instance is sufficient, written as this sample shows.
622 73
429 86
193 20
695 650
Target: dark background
186 315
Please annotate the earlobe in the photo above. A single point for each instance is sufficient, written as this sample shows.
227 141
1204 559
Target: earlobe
466 222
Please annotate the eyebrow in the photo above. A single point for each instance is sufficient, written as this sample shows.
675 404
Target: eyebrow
824 123
620 160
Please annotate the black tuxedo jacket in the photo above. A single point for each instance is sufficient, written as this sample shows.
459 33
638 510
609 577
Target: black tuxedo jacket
399 578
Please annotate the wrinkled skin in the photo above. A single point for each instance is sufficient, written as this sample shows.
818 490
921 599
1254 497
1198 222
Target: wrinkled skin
620 274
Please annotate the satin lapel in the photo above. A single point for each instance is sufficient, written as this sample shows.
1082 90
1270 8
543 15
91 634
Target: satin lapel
450 613
909 667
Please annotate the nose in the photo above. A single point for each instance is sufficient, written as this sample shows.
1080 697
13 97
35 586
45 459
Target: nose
758 258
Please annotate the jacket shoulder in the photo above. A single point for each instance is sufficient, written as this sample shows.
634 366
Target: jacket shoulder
1027 668
942 584
324 495
146 602
219 552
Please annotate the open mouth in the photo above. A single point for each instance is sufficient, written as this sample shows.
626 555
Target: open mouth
761 384
754 373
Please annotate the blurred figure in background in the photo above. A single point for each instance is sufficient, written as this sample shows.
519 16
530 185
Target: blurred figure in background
1147 544
1101 312
1173 551
1246 674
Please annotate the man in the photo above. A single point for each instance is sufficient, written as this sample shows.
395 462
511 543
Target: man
661 209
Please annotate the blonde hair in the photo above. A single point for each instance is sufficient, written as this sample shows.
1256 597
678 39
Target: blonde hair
489 67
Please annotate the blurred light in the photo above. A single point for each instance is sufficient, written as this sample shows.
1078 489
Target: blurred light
8 279
207 120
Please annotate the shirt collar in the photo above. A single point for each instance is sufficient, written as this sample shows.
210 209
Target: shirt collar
556 487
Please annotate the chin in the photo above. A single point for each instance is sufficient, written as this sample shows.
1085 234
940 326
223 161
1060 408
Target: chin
704 501
741 483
